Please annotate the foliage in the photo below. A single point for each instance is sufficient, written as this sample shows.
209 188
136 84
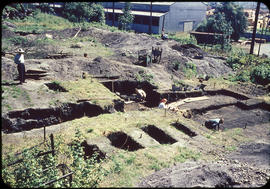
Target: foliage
222 26
189 69
261 74
15 11
230 18
217 23
83 11
126 18
234 14
86 171
97 13
45 8
34 172
176 65
40 22
186 39
250 68
143 76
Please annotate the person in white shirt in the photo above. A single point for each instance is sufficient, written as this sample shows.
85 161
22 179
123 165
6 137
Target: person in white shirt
19 60
162 103
141 95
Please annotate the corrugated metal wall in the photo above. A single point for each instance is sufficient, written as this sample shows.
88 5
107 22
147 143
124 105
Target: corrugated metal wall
182 13
181 16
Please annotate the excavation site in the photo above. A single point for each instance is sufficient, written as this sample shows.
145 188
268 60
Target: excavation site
104 107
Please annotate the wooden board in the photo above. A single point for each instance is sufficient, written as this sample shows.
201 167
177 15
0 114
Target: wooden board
186 100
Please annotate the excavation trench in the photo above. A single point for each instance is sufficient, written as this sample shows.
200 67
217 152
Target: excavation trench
92 151
158 134
177 95
235 115
126 89
184 129
55 87
17 121
123 141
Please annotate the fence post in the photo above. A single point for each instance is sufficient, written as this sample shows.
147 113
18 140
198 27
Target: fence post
52 144
44 133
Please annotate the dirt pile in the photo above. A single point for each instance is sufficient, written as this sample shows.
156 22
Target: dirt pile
200 174
190 50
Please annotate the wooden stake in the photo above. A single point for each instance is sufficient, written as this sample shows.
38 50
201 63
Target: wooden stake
44 133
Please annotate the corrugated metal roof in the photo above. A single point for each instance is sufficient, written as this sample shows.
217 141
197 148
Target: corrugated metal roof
141 13
154 3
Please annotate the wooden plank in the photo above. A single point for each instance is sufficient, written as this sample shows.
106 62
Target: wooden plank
186 100
196 99
104 76
89 99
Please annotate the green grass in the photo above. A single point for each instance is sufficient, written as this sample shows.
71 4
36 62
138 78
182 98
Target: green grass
12 93
41 22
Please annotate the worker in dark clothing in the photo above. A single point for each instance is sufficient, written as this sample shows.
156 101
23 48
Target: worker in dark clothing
163 35
19 60
214 123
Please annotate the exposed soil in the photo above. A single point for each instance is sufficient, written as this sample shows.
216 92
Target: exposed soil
248 166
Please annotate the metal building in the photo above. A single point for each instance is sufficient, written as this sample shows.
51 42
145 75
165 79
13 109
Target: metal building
172 16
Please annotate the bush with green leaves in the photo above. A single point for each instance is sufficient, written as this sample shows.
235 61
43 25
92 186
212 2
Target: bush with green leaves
143 76
233 20
126 18
83 11
183 39
189 69
250 68
35 172
261 74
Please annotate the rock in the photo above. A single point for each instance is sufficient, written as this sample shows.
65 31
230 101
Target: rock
48 36
77 45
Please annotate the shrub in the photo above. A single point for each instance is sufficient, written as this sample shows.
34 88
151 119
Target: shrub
243 76
261 74
143 76
31 172
190 70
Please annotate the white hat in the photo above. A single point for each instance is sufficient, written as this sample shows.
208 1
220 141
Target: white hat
20 50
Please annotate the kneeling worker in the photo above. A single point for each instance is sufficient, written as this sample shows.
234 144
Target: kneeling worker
214 123
141 95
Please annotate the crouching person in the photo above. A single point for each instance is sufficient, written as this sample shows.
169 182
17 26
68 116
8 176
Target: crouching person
140 94
214 123
162 103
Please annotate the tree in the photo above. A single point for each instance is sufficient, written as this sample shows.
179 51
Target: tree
126 18
97 13
83 11
220 25
217 23
234 14
45 7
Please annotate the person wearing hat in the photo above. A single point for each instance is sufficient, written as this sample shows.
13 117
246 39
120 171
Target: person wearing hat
214 123
19 60
162 103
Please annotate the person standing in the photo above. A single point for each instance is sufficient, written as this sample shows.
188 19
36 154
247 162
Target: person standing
19 60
